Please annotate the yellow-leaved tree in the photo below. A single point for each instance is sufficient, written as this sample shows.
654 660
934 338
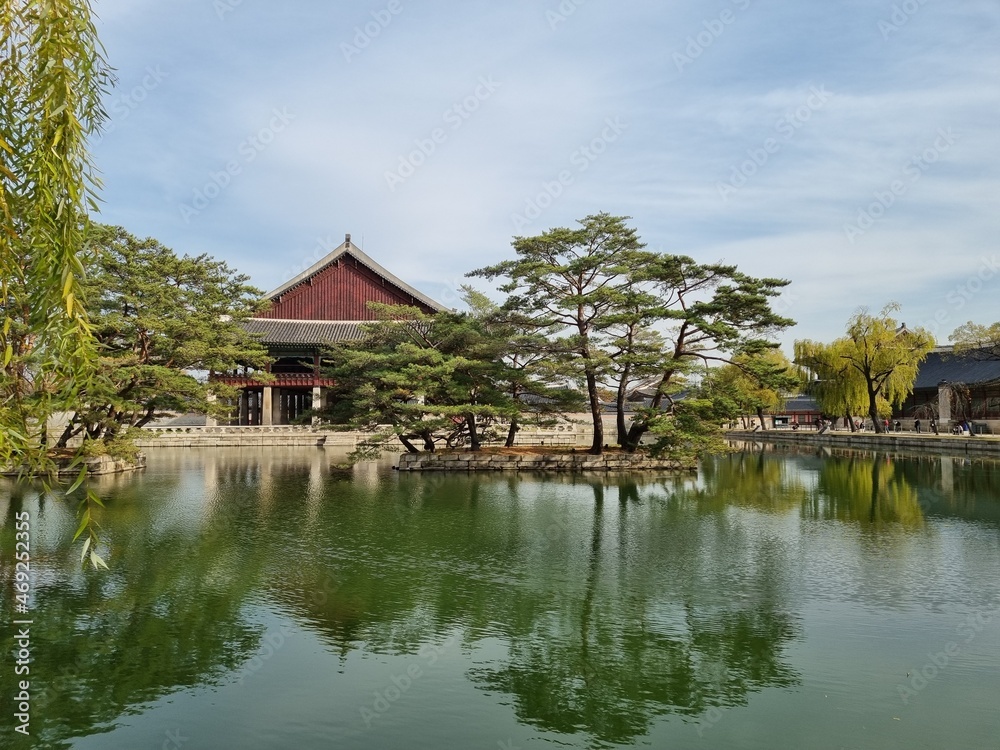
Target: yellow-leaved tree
870 369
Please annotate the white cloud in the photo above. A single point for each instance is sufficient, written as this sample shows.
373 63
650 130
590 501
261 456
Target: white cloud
686 131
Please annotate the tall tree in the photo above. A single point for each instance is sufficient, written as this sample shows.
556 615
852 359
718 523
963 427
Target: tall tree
634 348
569 281
710 313
160 321
836 386
879 356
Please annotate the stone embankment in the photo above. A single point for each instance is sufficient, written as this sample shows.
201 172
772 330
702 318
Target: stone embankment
979 445
569 462
96 466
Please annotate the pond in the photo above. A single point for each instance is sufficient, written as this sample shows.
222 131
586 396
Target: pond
259 598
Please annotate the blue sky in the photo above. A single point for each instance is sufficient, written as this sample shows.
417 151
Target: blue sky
851 147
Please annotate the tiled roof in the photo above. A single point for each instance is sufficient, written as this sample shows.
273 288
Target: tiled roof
304 331
944 364
800 403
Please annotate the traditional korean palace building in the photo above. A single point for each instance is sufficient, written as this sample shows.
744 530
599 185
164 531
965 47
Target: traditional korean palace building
953 386
326 303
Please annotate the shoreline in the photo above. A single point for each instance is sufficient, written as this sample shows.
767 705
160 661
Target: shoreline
963 445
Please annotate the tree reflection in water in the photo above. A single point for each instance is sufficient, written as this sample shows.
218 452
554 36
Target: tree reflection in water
615 600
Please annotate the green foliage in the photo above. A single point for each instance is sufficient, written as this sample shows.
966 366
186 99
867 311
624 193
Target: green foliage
617 315
689 428
122 446
422 378
754 383
711 313
158 318
566 282
870 369
52 78
977 341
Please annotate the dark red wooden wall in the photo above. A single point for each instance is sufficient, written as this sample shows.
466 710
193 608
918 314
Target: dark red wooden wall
339 292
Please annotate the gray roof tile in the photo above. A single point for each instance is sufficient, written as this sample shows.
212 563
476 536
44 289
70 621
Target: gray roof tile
315 332
944 364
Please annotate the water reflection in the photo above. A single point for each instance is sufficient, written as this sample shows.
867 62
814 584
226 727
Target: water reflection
614 600
167 616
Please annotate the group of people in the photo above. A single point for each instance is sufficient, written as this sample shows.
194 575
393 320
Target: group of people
962 428
866 425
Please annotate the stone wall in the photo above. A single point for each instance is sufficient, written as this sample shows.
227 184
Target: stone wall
938 444
96 466
449 461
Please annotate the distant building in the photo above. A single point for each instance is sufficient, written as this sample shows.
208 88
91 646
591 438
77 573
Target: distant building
954 386
801 409
325 304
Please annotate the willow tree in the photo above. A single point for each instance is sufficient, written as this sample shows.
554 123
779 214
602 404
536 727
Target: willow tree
52 77
878 358
831 380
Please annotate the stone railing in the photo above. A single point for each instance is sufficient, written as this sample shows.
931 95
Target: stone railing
568 435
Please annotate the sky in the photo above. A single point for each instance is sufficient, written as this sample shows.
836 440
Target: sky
850 147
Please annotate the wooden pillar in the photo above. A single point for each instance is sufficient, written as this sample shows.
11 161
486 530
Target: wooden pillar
243 417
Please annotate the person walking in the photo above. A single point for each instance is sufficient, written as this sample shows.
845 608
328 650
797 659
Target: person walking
916 426
934 427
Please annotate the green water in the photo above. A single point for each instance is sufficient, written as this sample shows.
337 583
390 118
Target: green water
257 599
